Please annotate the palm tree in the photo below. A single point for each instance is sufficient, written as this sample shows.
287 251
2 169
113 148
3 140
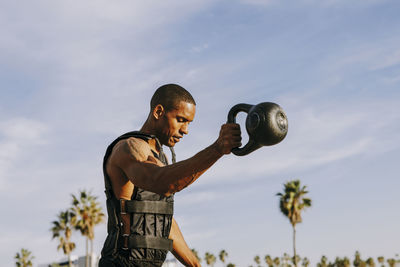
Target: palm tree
196 254
297 259
88 214
391 262
341 262
306 262
269 261
277 261
285 260
210 259
62 229
222 255
357 259
323 262
370 261
381 260
346 262
231 265
257 260
23 258
292 202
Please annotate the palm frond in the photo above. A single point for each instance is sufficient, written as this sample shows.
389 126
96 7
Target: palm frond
292 201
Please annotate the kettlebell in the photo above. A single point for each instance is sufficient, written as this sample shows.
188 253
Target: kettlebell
266 124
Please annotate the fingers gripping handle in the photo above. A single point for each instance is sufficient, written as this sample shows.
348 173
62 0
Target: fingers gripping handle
251 145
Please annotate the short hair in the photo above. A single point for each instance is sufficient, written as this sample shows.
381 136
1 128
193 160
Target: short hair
169 96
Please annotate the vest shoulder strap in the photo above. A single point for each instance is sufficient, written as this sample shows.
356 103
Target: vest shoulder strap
107 182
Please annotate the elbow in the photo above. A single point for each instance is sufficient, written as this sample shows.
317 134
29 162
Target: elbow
168 191
162 189
164 193
172 189
167 194
162 186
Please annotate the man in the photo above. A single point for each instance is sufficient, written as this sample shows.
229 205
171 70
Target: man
140 184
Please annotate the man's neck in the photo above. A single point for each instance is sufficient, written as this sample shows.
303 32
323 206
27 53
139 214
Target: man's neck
147 129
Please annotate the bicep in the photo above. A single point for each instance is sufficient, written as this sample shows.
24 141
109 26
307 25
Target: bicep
133 157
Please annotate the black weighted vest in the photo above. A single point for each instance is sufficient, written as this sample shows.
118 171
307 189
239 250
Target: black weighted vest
150 215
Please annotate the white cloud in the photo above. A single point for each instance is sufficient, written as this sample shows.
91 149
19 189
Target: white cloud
344 3
318 3
23 130
258 2
18 137
199 48
387 59
392 79
364 56
318 138
194 198
95 59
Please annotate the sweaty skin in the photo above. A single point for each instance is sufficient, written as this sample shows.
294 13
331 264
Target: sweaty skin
132 163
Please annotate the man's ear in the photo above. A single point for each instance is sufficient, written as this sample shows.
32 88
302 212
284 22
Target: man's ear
158 112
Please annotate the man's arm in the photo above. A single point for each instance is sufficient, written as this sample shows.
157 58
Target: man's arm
142 170
180 249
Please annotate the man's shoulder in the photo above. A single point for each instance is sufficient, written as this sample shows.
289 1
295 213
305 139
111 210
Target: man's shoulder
134 147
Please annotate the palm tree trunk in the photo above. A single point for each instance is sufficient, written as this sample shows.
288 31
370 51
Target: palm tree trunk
87 252
69 260
294 246
91 246
91 252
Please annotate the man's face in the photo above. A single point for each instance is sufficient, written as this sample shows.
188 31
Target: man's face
175 123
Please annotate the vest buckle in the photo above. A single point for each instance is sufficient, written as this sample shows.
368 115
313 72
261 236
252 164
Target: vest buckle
122 206
125 241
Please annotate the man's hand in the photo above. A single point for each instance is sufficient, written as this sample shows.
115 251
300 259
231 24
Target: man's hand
229 137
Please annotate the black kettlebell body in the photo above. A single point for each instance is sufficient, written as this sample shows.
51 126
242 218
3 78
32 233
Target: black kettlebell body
266 124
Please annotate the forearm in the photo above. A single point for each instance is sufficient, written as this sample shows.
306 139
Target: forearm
175 177
144 171
181 250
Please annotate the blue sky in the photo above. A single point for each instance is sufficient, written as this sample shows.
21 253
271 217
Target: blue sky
74 75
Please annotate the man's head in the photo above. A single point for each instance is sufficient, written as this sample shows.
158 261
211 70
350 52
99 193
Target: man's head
172 108
169 96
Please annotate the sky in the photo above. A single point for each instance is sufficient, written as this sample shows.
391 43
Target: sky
74 75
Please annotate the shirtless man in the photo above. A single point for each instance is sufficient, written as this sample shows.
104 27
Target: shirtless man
140 184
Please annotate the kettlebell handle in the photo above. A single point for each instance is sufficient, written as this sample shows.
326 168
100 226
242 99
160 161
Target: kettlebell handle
236 109
251 145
